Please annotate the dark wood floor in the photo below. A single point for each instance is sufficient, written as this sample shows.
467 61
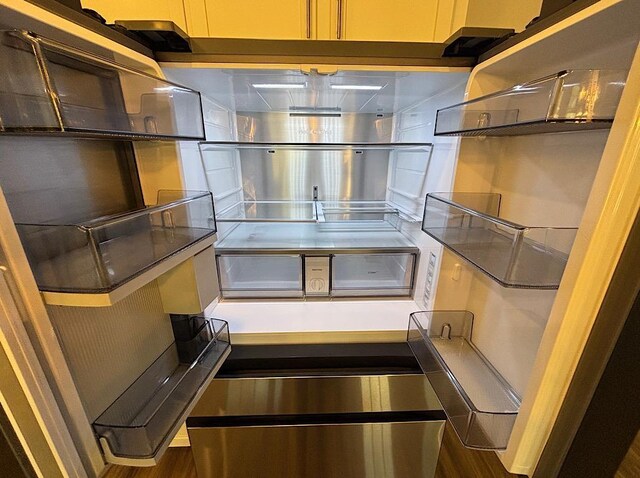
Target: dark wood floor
455 461
630 466
176 463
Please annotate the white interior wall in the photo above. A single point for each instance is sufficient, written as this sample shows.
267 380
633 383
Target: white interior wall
416 124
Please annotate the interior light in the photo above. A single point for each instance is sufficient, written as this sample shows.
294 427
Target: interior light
279 86
357 87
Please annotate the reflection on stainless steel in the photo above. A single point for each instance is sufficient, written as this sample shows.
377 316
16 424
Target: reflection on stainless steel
319 128
378 448
304 395
298 174
292 174
369 450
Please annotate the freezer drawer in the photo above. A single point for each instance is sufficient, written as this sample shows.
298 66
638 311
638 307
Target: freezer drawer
260 275
374 449
372 274
305 420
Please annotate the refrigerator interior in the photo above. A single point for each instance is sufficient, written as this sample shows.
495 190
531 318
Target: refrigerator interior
306 165
533 172
514 329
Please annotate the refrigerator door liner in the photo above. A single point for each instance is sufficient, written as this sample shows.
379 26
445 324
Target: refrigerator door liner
478 401
513 255
48 87
573 100
140 424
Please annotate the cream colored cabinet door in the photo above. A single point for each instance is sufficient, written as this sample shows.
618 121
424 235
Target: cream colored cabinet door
264 19
387 20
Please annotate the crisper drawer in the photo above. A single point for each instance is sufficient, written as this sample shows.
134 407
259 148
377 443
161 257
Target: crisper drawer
381 274
260 275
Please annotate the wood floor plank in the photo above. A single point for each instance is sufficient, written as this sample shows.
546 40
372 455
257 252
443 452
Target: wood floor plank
630 466
176 463
456 461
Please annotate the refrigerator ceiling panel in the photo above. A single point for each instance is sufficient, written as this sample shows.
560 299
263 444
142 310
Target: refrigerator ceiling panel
344 91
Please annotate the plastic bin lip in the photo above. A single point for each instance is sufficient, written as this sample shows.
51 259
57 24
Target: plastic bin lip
577 121
98 262
521 86
442 196
66 49
128 215
63 123
412 146
514 255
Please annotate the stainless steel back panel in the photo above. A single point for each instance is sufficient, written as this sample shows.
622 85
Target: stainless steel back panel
311 395
364 450
314 124
292 174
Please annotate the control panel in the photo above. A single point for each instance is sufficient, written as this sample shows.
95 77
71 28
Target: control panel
316 271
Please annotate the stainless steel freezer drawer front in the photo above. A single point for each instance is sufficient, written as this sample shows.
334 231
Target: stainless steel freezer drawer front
317 426
389 449
380 274
260 275
316 395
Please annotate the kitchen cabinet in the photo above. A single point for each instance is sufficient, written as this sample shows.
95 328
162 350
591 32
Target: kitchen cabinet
357 20
264 19
380 20
423 21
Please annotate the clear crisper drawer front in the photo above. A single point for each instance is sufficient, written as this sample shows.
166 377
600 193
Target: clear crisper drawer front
478 401
62 89
571 100
100 255
270 211
260 275
372 274
142 421
514 255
